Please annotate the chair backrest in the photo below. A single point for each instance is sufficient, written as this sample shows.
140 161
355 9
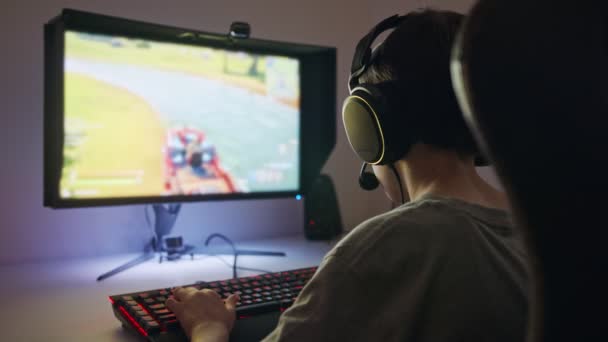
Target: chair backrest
532 79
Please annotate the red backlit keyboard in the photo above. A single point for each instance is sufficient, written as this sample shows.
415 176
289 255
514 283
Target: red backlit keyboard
145 312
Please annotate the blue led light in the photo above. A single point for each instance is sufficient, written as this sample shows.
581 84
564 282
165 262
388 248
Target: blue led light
298 197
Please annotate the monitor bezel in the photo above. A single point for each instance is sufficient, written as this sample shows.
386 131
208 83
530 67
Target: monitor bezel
73 20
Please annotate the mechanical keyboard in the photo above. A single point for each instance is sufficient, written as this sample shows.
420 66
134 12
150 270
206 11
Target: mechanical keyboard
265 295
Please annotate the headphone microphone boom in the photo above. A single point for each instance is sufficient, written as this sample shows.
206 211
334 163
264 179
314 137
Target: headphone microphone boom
367 180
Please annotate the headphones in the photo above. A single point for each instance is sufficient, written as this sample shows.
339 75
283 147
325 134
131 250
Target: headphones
373 128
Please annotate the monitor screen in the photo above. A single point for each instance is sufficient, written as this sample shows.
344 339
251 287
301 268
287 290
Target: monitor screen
148 118
141 113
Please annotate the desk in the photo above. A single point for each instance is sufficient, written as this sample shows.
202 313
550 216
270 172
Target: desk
61 301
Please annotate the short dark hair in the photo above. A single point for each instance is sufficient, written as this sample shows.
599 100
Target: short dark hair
417 55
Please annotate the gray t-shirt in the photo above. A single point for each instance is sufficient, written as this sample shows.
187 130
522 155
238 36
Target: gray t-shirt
432 270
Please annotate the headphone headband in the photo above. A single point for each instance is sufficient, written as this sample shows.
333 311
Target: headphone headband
363 52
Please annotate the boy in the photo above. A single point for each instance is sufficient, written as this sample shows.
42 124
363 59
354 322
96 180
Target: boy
445 266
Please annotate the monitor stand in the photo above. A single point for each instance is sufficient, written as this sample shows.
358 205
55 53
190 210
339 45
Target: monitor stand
164 220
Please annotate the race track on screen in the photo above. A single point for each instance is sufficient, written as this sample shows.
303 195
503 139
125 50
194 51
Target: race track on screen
122 99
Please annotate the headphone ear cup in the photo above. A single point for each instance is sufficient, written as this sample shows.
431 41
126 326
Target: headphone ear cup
368 181
363 125
375 127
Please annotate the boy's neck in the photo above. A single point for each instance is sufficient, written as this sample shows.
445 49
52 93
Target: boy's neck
431 171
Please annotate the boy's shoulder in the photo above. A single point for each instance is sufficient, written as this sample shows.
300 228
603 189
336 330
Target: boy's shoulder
418 219
413 231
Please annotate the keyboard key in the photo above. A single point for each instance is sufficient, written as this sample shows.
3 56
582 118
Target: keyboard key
168 317
140 314
157 306
149 301
162 312
151 327
146 318
134 309
287 301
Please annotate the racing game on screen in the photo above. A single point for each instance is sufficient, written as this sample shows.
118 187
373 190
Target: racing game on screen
148 118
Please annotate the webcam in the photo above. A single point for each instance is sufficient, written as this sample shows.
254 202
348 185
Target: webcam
240 30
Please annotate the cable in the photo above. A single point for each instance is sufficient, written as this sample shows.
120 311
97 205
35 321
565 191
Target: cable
235 253
392 166
228 241
241 267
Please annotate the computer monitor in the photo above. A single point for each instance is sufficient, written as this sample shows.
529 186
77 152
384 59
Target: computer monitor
144 113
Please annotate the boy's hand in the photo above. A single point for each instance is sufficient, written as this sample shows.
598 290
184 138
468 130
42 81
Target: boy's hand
203 314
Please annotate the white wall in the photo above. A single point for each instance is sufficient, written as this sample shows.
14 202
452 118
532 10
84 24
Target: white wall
382 9
30 232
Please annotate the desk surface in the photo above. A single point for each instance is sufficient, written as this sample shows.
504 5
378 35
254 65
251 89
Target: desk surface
61 301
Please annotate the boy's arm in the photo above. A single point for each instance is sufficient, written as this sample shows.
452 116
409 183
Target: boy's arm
210 332
322 310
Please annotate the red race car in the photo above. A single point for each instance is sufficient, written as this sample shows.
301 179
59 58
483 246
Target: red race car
192 165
